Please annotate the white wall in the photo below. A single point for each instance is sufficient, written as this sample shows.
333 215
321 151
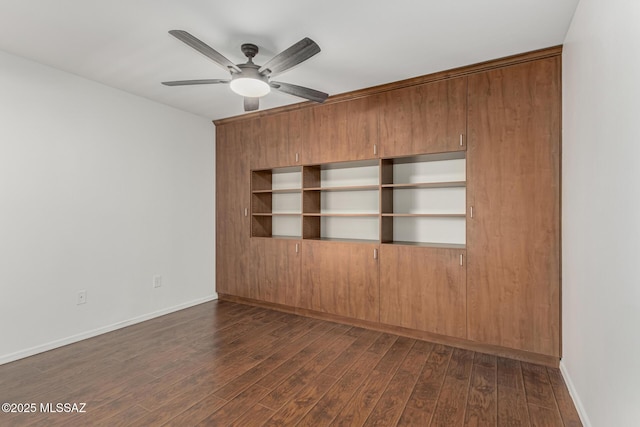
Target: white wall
601 211
99 190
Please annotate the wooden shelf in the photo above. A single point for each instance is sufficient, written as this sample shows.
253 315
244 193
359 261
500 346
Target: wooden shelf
371 215
276 213
333 239
279 237
424 215
353 164
345 188
279 190
427 244
419 158
446 184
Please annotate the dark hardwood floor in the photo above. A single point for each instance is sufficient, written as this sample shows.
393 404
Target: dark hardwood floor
228 364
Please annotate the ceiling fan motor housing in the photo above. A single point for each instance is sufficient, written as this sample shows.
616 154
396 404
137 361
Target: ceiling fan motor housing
250 50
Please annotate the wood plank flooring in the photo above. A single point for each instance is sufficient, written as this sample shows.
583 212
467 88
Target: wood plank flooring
228 364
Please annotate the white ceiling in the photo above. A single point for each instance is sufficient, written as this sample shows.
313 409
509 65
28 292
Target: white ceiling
125 44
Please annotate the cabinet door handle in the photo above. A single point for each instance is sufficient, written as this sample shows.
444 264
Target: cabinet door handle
297 247
461 140
375 254
471 211
297 157
461 261
375 149
246 212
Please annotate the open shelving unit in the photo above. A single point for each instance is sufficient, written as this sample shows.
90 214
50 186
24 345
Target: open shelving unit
416 200
340 201
276 203
423 200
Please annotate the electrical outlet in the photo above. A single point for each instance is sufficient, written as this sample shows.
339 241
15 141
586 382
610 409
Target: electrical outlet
157 281
82 297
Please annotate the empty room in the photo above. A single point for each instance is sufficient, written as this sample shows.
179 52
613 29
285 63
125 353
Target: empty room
410 213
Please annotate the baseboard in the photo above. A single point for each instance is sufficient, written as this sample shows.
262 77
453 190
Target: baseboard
99 331
574 395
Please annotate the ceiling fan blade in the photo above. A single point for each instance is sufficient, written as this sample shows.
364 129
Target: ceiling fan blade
290 57
251 104
195 82
205 49
301 91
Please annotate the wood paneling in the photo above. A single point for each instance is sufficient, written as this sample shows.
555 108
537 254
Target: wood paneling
513 185
275 270
428 118
423 288
232 198
340 278
340 132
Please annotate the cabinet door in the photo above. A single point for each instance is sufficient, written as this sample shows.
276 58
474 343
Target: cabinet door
275 270
232 209
428 118
272 147
341 278
513 185
424 289
341 131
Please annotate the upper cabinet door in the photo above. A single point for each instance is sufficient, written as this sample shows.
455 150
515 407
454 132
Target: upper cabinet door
341 131
429 118
513 187
272 145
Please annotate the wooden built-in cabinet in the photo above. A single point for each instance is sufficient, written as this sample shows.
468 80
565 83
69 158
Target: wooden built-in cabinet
430 209
340 132
341 278
513 184
423 288
272 146
275 270
428 118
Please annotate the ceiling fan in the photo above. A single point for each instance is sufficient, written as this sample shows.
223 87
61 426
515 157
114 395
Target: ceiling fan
250 80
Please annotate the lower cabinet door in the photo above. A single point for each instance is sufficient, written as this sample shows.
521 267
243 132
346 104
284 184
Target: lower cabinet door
275 270
341 278
424 288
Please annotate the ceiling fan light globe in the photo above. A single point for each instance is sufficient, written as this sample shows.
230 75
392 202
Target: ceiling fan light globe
250 87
